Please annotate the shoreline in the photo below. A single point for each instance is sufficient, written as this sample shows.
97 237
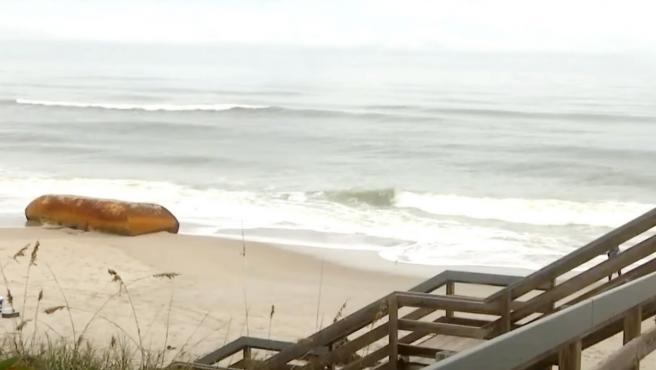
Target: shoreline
332 252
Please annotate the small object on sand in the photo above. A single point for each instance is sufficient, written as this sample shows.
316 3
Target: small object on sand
111 216
6 311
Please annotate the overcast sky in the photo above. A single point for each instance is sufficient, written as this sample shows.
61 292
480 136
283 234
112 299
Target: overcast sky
524 25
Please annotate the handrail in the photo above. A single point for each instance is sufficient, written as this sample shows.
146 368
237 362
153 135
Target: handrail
585 278
582 255
366 315
517 348
181 365
241 343
468 277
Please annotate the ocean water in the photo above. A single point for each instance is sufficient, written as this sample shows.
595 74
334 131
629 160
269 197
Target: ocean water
440 158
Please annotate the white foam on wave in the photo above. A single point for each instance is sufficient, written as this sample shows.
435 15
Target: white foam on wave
140 106
422 238
524 211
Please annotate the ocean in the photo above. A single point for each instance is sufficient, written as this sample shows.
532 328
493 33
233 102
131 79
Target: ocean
442 158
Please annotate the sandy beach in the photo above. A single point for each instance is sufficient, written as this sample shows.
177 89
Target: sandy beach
205 306
207 301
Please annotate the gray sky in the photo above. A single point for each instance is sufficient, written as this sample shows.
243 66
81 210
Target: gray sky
519 25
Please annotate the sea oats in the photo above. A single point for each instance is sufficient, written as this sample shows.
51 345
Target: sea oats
34 254
22 324
168 275
115 276
51 310
340 312
21 252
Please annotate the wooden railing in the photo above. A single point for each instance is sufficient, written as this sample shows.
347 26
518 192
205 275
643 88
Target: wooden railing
560 338
585 284
372 334
328 347
584 254
376 321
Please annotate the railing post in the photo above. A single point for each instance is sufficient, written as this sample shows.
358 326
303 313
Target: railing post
506 322
450 290
331 347
569 356
247 357
552 303
632 327
393 314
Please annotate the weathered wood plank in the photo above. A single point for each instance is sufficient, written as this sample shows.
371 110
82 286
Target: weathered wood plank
179 365
432 284
462 321
240 344
412 299
632 324
245 363
442 328
419 351
368 360
569 357
506 318
482 278
450 290
223 352
632 328
393 323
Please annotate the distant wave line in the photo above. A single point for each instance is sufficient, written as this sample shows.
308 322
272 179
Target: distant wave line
212 108
369 111
143 107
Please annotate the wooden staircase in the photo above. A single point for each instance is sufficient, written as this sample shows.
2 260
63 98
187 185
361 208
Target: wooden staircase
410 329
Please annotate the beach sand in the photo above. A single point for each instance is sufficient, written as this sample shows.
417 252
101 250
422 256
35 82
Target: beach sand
205 306
207 300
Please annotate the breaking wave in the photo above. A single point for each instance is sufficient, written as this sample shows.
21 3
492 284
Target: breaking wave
542 212
376 198
416 227
524 211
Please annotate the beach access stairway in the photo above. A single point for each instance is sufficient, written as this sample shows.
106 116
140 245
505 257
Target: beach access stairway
417 328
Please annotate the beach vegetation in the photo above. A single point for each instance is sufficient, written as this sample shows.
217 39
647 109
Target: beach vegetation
33 344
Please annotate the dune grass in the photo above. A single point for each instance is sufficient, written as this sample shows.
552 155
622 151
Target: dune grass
38 350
